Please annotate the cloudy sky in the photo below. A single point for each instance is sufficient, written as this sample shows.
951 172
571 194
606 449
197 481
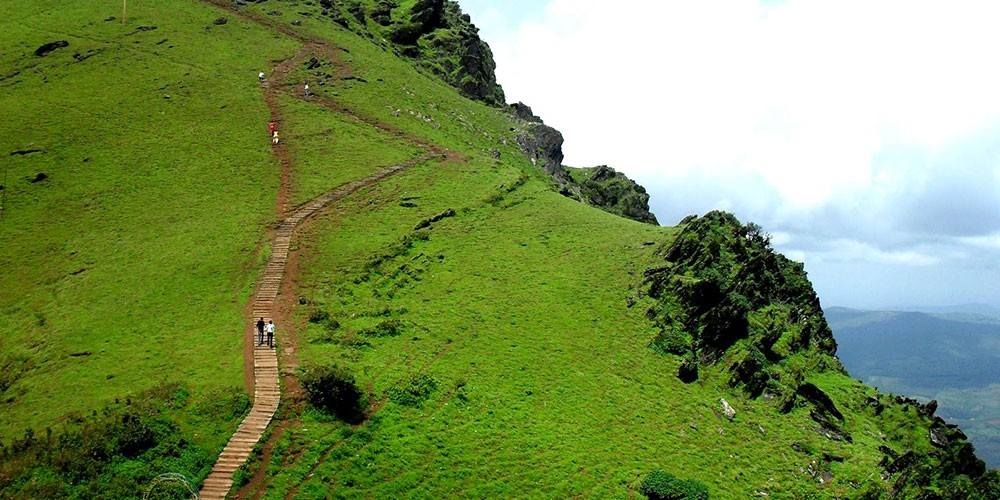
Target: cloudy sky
863 135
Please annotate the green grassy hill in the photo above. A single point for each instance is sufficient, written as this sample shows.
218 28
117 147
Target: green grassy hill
509 340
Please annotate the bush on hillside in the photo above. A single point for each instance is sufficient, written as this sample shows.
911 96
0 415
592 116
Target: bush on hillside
114 452
332 389
660 485
387 328
672 341
418 389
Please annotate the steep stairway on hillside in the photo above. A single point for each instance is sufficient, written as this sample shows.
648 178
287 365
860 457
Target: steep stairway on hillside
267 393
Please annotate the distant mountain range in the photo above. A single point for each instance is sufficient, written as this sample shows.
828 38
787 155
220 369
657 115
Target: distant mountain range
951 354
958 309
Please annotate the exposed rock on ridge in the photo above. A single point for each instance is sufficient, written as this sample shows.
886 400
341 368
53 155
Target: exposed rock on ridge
434 33
724 301
600 186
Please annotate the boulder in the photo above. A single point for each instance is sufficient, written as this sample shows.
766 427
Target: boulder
727 409
928 408
939 437
873 403
829 429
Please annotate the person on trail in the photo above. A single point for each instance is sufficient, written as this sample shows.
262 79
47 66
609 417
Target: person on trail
305 90
260 331
260 77
270 333
274 137
271 127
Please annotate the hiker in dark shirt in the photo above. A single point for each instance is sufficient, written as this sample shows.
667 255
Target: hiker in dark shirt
260 331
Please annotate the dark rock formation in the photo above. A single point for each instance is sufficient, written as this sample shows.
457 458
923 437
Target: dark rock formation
429 14
382 14
44 50
22 152
357 12
523 112
542 144
688 371
928 409
828 428
817 397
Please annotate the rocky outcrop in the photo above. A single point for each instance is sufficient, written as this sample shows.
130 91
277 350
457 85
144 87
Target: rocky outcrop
542 144
523 112
720 274
616 193
434 33
600 186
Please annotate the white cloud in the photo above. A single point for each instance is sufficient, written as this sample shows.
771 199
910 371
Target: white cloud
788 113
800 93
990 242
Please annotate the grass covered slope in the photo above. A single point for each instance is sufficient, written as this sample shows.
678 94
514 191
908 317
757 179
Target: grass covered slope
139 182
501 334
508 341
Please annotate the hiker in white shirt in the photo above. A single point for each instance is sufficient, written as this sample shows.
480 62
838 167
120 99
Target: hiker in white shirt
269 329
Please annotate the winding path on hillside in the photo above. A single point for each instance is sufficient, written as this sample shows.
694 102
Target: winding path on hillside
266 377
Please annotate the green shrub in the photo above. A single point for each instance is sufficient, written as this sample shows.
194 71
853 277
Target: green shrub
387 328
672 340
332 389
415 392
111 453
660 485
318 316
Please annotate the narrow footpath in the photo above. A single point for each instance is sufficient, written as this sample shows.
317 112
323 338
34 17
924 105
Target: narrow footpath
265 370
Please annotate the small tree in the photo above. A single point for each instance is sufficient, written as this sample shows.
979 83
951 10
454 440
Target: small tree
332 389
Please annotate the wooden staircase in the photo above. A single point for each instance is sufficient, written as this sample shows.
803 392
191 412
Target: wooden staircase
267 389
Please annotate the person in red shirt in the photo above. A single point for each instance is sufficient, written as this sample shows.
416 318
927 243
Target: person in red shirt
271 128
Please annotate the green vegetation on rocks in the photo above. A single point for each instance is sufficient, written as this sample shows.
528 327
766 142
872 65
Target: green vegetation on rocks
433 33
613 192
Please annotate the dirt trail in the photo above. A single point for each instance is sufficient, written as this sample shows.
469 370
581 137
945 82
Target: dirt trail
275 287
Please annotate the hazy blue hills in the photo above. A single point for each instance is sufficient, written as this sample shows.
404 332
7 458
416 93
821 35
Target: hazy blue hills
953 357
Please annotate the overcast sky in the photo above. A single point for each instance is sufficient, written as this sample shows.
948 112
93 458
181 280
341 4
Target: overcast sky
864 136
